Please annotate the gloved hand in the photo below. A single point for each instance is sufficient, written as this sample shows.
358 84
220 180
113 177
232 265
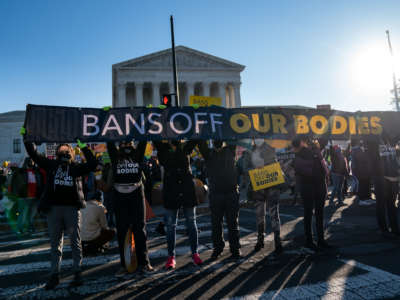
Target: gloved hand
106 108
195 106
81 145
162 106
22 131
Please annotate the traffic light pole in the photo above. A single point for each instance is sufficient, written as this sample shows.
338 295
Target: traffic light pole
176 89
396 94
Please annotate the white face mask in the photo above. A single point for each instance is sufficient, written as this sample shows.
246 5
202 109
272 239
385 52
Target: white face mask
258 142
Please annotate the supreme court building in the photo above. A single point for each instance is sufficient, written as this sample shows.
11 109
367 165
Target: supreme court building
142 81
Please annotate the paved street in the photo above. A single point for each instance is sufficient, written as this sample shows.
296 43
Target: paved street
364 266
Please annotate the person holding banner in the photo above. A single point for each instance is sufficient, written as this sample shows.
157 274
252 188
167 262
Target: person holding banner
129 200
263 155
224 197
62 200
312 172
178 191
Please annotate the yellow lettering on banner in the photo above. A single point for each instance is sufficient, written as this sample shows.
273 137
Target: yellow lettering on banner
301 124
352 126
317 119
376 126
278 123
363 127
256 123
240 128
205 101
342 125
267 176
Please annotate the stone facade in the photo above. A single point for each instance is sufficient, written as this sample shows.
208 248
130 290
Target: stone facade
143 81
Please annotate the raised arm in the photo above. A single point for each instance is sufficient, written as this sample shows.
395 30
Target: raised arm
89 165
41 160
162 149
112 152
140 150
189 146
204 150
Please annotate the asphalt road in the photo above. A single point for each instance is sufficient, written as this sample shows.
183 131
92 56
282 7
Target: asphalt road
364 265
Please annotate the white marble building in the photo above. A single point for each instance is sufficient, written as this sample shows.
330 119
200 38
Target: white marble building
142 81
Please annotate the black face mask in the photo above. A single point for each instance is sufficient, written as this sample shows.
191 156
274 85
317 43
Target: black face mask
64 157
126 150
218 144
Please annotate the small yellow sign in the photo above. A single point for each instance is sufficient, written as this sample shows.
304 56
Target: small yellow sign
205 101
266 176
149 150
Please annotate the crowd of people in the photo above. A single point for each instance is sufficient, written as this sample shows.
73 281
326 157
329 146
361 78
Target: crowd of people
97 199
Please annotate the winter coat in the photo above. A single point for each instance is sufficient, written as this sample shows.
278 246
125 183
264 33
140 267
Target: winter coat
76 170
339 162
360 163
309 166
178 186
220 165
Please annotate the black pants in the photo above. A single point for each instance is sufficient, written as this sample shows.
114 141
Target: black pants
386 194
225 204
130 213
364 188
313 195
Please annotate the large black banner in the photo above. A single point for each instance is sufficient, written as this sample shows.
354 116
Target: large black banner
66 124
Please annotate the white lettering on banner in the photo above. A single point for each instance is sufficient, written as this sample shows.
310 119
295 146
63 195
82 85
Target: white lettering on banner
115 125
213 121
178 131
87 124
198 122
129 118
153 122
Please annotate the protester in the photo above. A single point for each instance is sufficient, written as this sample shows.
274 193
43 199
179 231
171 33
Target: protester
312 172
62 201
94 230
178 191
261 155
129 200
360 167
339 171
224 197
384 179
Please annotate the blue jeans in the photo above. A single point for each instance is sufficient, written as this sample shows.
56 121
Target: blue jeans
337 181
171 218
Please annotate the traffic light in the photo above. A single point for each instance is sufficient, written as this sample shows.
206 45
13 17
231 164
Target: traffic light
167 100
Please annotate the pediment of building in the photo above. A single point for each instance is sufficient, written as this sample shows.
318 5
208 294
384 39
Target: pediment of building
187 59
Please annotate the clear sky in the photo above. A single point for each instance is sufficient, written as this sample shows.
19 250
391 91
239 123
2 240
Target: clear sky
295 52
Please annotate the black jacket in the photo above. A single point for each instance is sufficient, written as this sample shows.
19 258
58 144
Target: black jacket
309 166
50 197
339 163
178 186
221 169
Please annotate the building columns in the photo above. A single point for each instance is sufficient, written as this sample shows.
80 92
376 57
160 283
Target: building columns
236 88
121 95
221 93
190 91
206 89
156 93
139 93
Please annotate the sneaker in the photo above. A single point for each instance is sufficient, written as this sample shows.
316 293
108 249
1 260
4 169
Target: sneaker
146 269
216 252
77 281
324 245
171 263
196 259
53 281
278 250
121 272
236 254
311 246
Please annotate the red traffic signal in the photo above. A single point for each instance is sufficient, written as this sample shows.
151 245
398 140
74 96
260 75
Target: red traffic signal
166 100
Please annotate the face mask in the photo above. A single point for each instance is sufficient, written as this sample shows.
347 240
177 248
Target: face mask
128 150
258 142
64 156
218 144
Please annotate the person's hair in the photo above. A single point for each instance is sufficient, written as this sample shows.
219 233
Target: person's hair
355 142
70 149
297 141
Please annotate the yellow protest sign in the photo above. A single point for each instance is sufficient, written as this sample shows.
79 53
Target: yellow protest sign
149 150
205 101
266 176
